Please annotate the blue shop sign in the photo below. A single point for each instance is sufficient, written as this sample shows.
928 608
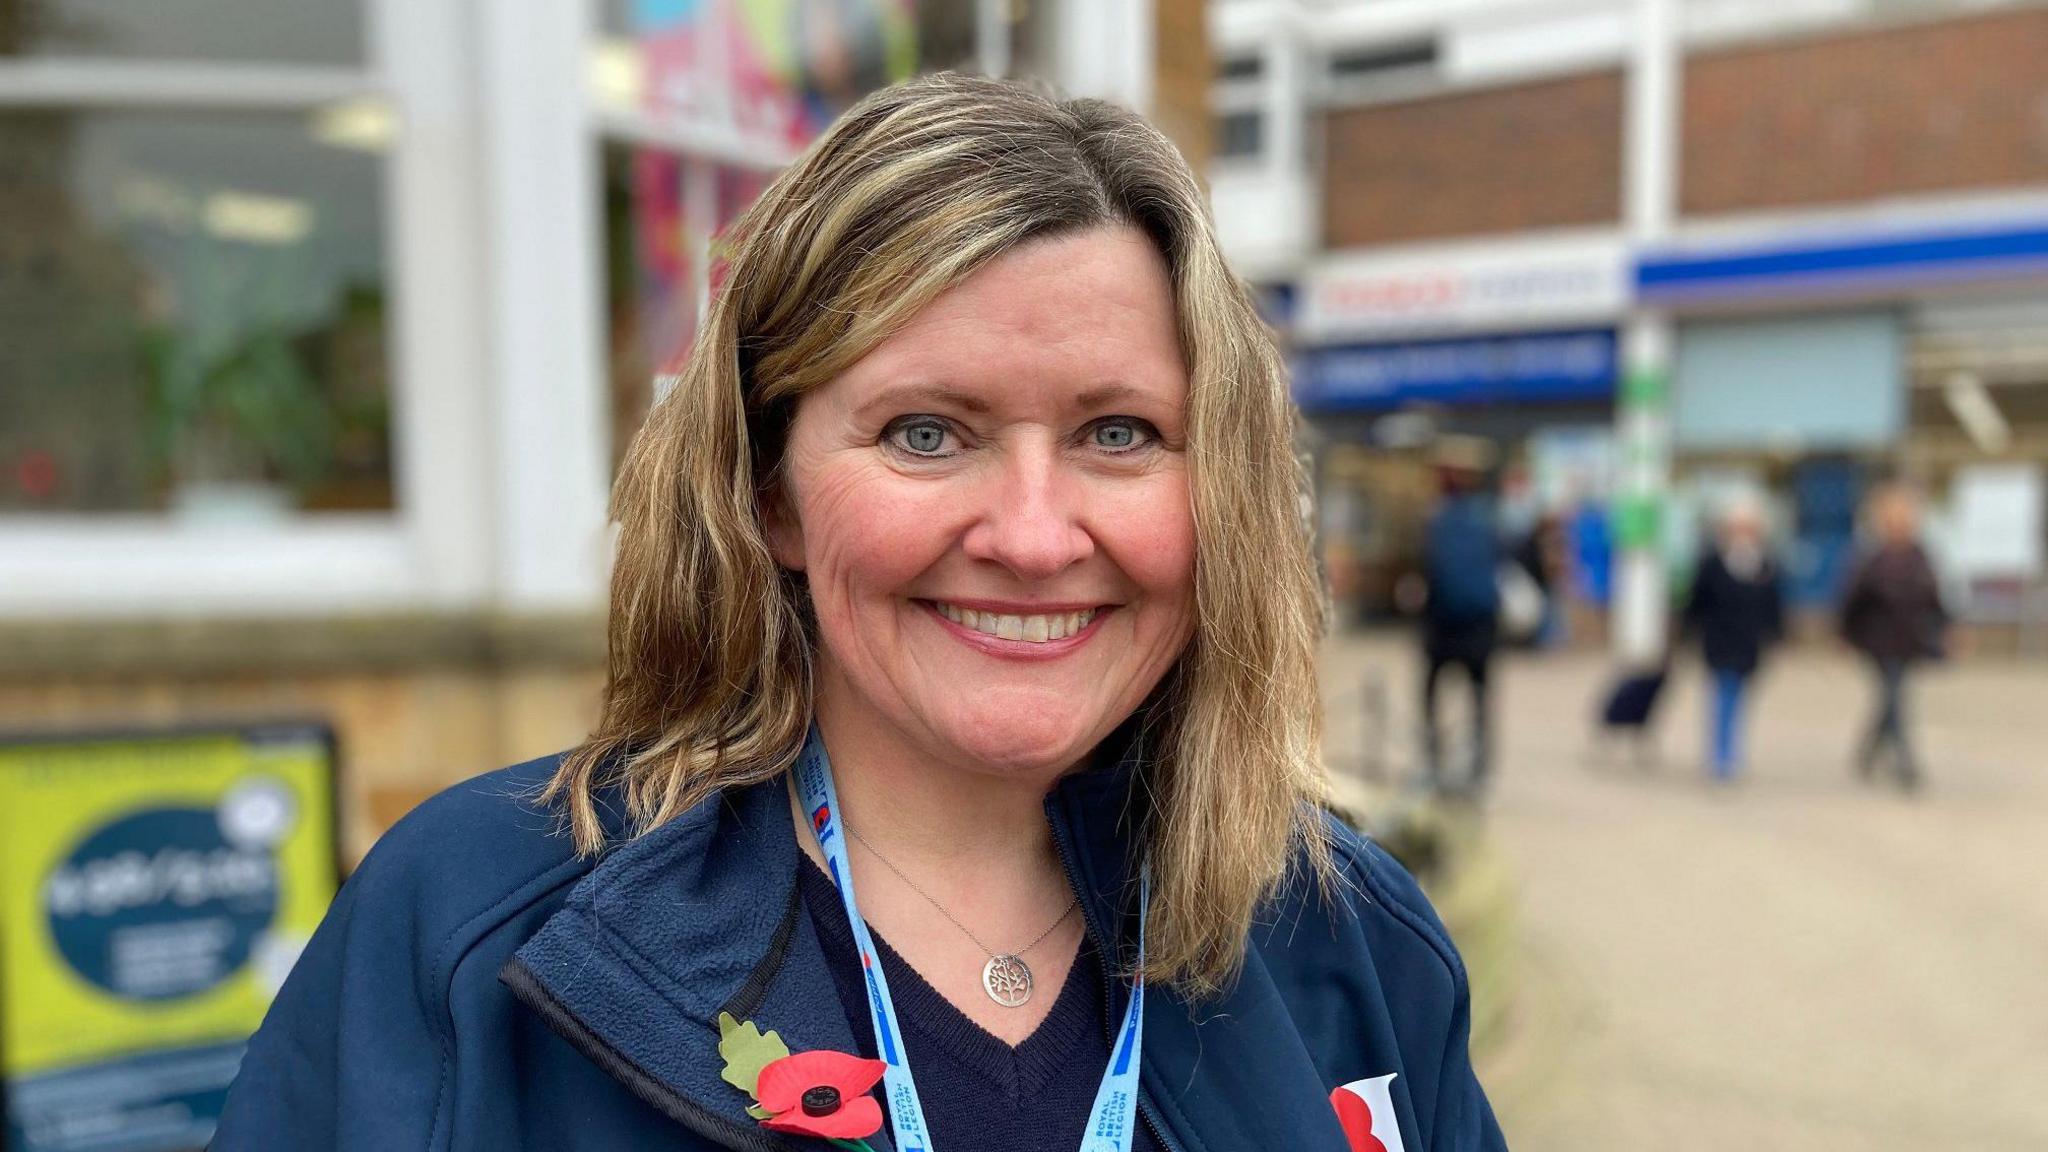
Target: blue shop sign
1537 367
1846 265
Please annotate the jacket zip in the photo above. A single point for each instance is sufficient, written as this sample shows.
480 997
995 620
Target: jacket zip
1145 1111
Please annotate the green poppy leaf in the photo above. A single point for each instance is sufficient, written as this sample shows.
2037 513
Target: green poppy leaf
746 1050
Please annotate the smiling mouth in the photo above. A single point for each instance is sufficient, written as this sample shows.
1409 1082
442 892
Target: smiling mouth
1037 629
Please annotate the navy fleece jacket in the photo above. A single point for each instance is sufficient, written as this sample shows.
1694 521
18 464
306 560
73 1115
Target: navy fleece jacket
478 987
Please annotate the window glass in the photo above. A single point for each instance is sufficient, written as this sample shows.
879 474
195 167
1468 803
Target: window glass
1239 135
192 314
946 36
275 31
777 70
1249 66
648 298
651 280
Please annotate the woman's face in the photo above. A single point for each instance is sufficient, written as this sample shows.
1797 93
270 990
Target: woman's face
992 510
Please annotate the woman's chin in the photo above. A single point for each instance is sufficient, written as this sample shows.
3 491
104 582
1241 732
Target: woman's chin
1019 751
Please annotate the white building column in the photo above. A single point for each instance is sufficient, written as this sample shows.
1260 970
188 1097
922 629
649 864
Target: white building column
439 320
1643 415
1283 109
549 423
1104 49
992 37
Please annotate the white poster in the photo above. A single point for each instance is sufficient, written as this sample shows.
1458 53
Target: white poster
1571 280
1996 520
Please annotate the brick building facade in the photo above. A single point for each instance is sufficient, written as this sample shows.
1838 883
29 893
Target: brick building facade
1835 118
1545 154
1875 113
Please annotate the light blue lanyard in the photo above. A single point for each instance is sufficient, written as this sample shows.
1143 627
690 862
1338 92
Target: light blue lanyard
1111 1122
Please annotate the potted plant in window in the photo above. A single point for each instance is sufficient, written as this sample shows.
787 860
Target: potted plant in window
239 428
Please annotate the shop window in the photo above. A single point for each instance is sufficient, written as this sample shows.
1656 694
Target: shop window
650 309
1378 60
192 315
1240 135
777 72
615 17
947 37
1824 381
651 273
773 69
1246 66
275 31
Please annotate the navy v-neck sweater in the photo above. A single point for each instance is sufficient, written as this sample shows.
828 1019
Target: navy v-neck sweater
980 1094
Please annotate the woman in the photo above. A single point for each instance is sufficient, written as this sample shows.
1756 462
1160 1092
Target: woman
1893 614
962 644
1738 610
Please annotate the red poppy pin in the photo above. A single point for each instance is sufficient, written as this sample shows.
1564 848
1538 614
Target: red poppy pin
822 1093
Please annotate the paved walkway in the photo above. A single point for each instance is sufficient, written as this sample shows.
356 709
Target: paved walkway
1793 963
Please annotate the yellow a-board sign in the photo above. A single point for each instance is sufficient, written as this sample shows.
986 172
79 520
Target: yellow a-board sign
154 891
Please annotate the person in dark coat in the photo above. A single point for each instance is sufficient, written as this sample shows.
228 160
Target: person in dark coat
1737 610
1893 614
1462 553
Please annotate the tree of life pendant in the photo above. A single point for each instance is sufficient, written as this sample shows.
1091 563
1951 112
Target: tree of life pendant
1007 980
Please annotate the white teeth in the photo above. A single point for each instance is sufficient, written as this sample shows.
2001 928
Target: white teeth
1029 629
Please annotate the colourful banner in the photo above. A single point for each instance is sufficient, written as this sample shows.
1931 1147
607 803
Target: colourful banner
154 892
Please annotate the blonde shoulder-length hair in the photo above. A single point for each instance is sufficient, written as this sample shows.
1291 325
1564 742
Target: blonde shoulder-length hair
709 649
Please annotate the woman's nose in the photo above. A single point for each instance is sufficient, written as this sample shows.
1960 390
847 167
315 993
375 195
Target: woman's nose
1031 520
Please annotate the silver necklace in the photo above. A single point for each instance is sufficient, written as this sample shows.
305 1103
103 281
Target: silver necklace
1006 977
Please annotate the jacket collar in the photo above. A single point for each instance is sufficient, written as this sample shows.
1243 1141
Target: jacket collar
702 916
697 917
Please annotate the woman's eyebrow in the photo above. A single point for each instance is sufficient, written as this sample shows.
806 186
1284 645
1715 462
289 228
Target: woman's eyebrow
946 396
1103 395
935 395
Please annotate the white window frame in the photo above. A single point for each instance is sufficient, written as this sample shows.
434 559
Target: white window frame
498 412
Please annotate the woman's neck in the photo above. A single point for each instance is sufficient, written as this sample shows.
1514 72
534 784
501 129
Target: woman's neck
974 843
923 811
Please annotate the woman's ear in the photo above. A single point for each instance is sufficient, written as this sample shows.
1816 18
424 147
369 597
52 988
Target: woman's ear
785 530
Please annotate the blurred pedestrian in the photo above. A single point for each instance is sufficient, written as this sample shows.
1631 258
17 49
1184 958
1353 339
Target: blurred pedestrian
1737 610
1591 550
1892 612
1541 554
1462 555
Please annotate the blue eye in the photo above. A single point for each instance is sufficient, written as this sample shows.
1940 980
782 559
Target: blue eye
1122 433
919 435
